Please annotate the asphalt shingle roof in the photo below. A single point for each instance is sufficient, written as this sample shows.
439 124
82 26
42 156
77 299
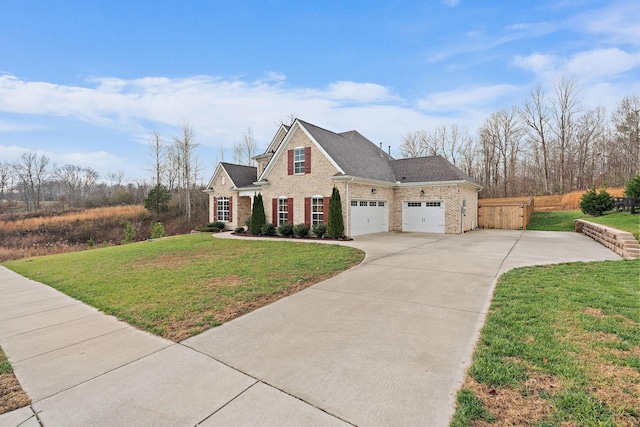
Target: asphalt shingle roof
242 176
427 169
355 154
359 157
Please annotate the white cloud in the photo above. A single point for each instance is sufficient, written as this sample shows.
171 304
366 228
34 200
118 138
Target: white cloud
450 3
602 63
617 22
585 66
466 98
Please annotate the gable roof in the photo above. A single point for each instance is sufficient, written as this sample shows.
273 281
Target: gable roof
240 175
427 169
356 156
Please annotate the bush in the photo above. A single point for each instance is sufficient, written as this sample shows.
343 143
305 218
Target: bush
319 230
286 230
632 189
335 227
217 224
301 230
268 230
239 230
258 219
129 232
596 204
157 231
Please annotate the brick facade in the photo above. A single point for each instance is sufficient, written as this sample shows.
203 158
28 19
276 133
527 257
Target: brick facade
324 175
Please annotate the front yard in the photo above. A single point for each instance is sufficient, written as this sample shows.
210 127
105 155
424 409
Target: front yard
177 287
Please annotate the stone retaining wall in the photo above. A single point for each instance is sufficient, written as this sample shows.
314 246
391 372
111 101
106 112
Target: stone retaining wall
621 242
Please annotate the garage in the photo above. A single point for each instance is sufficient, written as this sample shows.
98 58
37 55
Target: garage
423 216
369 216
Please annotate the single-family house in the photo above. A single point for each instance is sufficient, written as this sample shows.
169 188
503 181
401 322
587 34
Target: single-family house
302 164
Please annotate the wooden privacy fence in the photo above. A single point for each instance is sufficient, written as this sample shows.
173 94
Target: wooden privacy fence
627 204
507 214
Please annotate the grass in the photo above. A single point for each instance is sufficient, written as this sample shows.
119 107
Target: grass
561 346
11 394
563 221
177 287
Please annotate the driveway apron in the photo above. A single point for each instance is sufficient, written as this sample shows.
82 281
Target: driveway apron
383 344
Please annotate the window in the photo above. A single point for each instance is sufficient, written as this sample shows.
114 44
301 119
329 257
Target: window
381 204
317 210
354 203
414 204
298 160
223 208
363 203
373 203
283 211
432 204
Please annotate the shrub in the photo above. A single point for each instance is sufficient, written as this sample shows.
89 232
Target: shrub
217 224
268 230
158 199
319 230
239 230
286 230
129 232
258 219
632 189
335 227
91 243
157 231
301 230
596 204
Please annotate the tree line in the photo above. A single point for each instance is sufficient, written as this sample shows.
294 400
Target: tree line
549 144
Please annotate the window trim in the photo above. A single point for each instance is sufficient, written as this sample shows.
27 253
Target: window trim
223 208
317 217
283 214
299 158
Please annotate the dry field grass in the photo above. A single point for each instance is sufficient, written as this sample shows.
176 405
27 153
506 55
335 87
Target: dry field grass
52 233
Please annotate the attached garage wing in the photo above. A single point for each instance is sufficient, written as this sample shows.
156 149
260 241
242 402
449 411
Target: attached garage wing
425 217
369 216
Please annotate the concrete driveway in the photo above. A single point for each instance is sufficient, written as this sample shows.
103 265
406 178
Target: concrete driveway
383 344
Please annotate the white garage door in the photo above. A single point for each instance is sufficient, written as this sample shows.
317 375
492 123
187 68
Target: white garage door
369 216
426 217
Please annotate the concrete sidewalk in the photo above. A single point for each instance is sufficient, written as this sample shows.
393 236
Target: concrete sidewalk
385 343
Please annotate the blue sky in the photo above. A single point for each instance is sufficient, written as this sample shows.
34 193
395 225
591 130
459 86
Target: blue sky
86 82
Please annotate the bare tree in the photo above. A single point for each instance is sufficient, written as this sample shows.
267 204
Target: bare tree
32 172
413 145
6 177
589 128
157 150
288 121
565 107
185 148
116 179
626 122
535 114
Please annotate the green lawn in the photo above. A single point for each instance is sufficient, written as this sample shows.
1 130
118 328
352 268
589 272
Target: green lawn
561 344
563 221
179 286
